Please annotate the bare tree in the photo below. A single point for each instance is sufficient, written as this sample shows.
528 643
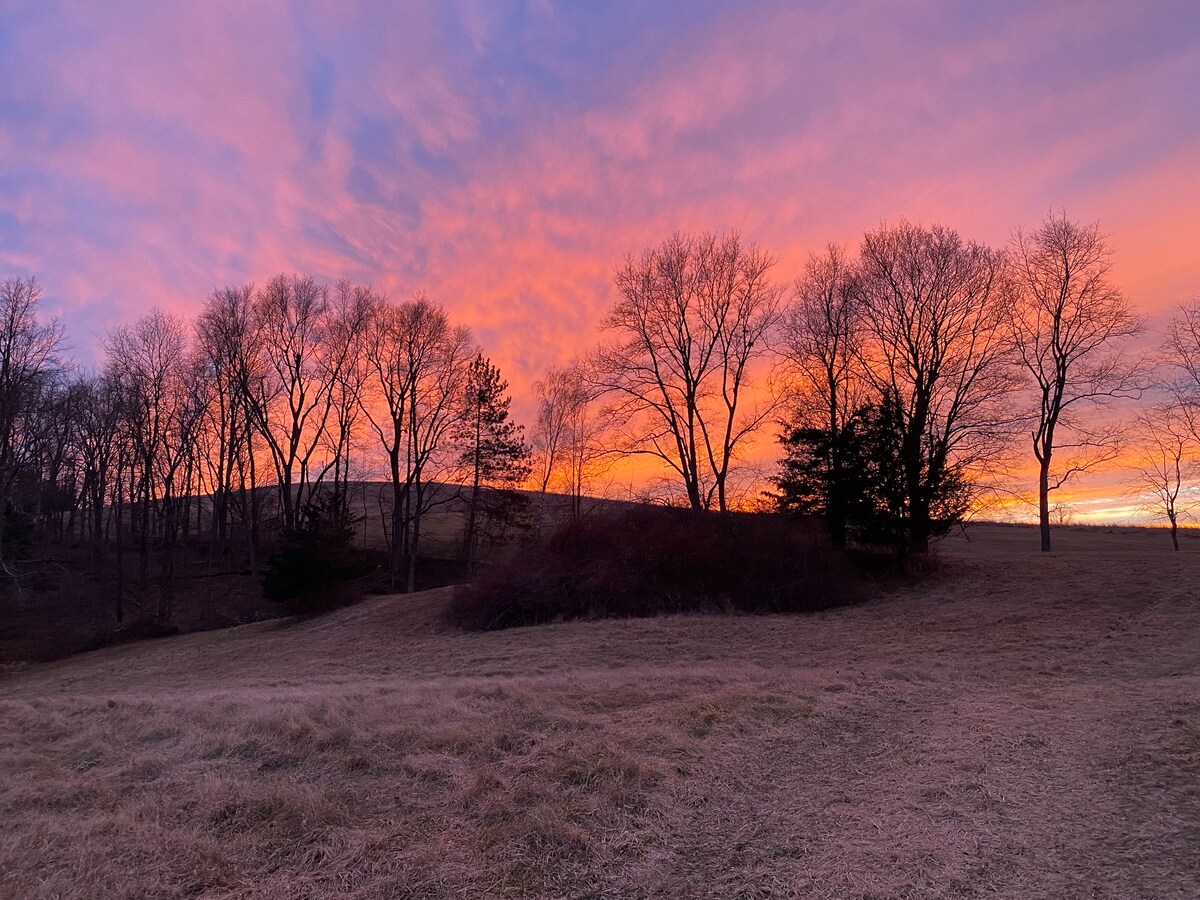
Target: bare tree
434 413
935 349
1181 354
1165 462
351 312
293 401
821 343
695 315
418 365
225 337
29 355
98 416
567 452
178 463
161 407
1071 324
555 395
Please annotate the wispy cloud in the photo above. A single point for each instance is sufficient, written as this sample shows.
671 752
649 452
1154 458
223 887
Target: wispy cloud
503 155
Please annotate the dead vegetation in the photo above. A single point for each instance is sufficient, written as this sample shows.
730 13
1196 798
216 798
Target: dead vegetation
1022 725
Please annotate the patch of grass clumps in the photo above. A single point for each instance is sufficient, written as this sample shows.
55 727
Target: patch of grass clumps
646 561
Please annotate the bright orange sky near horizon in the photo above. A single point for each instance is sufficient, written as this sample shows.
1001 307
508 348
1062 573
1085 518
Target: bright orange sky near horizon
504 156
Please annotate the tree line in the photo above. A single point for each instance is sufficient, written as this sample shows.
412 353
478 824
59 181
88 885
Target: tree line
904 379
244 428
908 380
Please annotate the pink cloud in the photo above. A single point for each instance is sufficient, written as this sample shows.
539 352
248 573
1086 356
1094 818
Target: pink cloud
184 147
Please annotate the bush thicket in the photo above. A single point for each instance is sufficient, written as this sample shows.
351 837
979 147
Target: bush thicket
650 560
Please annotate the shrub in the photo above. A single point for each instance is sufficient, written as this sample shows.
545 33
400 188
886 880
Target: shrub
310 569
651 560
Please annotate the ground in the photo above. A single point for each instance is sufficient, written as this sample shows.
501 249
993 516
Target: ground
1017 725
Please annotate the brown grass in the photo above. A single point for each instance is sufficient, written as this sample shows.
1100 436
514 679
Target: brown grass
1019 726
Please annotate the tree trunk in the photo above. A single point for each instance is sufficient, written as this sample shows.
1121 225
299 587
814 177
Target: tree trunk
1044 503
399 538
120 555
415 540
836 508
469 548
469 542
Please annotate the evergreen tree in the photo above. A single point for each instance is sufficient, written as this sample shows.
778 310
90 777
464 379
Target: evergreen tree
866 494
822 476
317 557
493 452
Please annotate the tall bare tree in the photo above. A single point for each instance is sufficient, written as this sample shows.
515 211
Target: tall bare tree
1071 325
821 343
29 355
695 315
98 418
150 362
353 308
226 339
292 404
418 363
935 348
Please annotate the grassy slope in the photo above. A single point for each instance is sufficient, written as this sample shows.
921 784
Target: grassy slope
1024 725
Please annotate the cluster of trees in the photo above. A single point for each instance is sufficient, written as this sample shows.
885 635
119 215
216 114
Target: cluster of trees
906 377
909 378
926 362
245 428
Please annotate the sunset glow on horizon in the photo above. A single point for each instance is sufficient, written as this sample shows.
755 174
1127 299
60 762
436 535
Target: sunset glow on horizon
504 157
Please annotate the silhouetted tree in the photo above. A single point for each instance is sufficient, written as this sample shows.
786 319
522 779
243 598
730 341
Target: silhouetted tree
351 312
810 487
493 453
1181 354
694 316
162 406
226 334
1070 326
936 347
419 364
565 440
870 488
293 403
821 337
29 357
1165 463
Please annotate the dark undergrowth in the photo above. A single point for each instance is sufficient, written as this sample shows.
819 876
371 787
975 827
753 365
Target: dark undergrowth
646 561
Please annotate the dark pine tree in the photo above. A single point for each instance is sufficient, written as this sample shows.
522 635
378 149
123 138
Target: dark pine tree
856 482
493 454
821 476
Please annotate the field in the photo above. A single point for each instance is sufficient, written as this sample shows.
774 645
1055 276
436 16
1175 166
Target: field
1016 725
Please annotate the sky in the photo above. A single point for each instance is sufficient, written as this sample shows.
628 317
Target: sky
504 156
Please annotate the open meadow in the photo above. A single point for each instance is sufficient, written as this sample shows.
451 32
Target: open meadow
1015 725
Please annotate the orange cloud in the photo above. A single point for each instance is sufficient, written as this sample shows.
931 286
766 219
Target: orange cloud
505 158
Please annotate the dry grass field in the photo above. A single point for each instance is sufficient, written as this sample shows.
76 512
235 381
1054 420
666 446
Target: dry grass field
1018 725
